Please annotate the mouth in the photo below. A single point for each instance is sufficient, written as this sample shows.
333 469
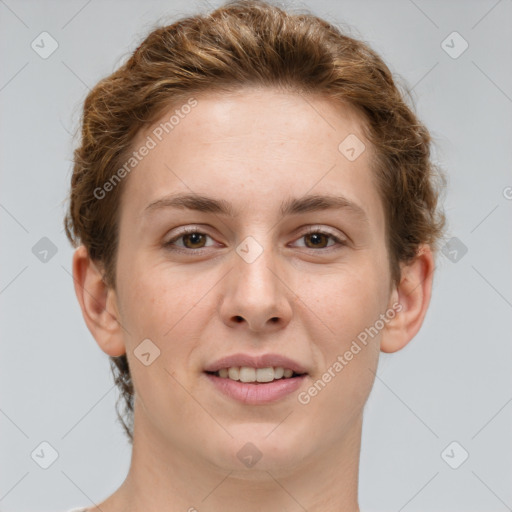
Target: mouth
256 379
248 374
256 386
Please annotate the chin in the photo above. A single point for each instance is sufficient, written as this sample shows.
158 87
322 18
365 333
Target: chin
257 447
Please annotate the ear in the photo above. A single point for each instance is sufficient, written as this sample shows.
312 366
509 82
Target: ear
98 304
413 298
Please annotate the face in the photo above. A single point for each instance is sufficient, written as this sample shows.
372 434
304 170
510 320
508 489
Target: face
250 281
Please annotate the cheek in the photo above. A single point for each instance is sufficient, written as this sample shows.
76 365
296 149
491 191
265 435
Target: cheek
169 307
161 306
348 299
158 300
349 304
357 297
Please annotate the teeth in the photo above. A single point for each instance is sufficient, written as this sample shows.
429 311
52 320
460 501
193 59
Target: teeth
247 374
278 372
265 374
234 373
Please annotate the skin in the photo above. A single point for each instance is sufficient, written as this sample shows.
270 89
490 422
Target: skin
253 148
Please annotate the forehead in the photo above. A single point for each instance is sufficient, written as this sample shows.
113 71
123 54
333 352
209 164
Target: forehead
255 143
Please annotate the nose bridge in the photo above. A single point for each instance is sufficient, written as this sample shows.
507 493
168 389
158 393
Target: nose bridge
255 292
255 264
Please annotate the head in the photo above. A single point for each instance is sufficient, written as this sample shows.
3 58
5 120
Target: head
253 107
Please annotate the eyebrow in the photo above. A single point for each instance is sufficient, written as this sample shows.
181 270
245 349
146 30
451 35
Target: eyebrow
291 206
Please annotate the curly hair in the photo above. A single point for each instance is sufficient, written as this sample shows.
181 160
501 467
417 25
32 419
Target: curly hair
242 43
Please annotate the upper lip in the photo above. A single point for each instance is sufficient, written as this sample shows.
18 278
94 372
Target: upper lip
255 361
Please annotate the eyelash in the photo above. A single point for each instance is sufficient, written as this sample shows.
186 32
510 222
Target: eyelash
187 231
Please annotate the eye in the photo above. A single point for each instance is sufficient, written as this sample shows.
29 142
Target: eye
190 238
318 238
193 240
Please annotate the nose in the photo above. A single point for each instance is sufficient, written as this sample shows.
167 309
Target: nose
255 294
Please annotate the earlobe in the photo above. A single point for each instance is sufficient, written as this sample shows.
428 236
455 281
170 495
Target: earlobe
413 295
98 304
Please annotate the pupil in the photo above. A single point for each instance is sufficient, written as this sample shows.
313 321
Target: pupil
316 238
195 238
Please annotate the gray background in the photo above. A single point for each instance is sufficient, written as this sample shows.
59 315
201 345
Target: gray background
452 383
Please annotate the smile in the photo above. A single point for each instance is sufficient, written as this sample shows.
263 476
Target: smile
248 374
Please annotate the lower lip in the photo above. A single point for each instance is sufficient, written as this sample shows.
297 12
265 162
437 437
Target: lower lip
256 393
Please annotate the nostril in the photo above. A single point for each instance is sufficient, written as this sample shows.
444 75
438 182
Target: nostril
238 319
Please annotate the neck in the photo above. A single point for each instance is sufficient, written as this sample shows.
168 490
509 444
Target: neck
170 480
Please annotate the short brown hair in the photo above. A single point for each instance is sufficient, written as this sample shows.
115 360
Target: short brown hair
239 44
